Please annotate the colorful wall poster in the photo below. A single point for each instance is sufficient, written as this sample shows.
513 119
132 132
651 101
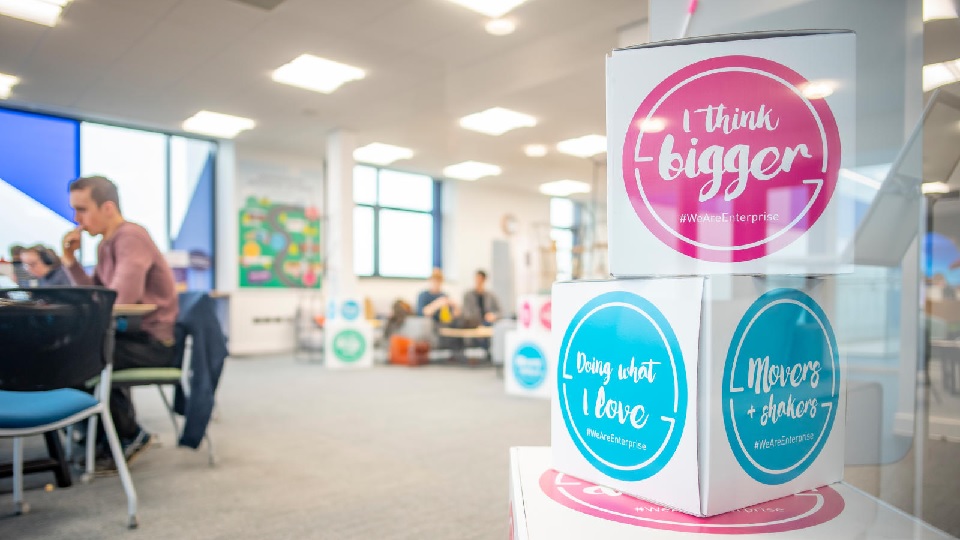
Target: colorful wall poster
279 245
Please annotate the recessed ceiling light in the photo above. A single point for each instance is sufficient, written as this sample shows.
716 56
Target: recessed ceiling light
935 75
45 12
818 89
938 9
471 170
934 187
490 8
7 82
564 188
586 146
317 74
497 121
219 125
500 27
381 154
535 150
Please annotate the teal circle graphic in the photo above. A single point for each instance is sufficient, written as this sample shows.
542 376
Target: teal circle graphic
349 345
529 366
350 310
622 386
781 386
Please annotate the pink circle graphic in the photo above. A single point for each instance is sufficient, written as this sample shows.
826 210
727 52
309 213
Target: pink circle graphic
546 314
526 316
791 513
727 161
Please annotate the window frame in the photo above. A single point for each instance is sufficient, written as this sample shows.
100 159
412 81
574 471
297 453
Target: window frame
435 214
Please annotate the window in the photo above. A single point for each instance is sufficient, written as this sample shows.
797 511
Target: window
396 223
564 219
165 182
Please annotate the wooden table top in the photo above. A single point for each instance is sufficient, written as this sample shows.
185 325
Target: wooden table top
465 333
120 310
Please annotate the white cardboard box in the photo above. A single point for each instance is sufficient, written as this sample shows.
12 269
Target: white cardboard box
534 313
347 345
529 368
726 155
347 309
548 505
701 394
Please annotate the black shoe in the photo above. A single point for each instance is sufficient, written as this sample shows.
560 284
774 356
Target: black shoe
132 449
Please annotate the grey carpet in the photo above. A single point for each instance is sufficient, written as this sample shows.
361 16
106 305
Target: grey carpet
304 452
391 453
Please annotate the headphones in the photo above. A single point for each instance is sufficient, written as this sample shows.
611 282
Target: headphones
46 256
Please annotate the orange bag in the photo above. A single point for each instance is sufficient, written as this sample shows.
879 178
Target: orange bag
407 352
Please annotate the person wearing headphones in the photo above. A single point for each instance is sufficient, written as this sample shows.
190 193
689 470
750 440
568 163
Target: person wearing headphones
43 264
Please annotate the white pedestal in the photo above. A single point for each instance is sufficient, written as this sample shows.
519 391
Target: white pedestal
348 346
546 505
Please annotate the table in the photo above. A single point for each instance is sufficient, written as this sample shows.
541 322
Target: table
480 332
133 310
468 333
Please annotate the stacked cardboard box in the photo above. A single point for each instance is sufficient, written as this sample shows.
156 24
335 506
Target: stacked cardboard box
705 376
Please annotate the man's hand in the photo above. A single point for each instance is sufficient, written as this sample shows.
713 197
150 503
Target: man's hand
490 317
71 243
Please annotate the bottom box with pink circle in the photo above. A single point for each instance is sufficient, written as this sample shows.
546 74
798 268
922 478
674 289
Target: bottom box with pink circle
549 505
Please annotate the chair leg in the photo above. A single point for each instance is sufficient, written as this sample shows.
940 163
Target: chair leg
211 458
21 507
121 462
68 449
55 450
173 415
90 449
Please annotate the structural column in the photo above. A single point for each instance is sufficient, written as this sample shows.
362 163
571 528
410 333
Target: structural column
338 197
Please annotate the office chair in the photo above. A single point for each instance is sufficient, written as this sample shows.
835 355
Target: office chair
53 339
199 335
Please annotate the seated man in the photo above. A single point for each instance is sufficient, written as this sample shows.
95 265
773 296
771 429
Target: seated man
480 307
128 262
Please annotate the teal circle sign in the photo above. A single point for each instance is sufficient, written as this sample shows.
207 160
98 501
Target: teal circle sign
622 386
349 345
781 386
529 366
350 310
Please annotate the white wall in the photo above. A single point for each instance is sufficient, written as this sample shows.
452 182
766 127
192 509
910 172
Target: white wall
261 320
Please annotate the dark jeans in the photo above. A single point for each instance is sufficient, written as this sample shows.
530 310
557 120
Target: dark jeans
134 350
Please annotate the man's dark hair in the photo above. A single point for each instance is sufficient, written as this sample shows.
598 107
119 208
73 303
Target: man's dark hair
482 274
101 189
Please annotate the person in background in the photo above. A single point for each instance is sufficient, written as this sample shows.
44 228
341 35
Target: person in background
435 303
44 267
130 263
480 306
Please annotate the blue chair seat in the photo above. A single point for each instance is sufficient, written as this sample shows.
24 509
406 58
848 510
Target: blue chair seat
20 410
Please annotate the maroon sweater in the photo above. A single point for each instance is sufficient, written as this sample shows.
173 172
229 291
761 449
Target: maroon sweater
130 263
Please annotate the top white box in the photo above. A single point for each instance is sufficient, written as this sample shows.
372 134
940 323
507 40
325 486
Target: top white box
725 154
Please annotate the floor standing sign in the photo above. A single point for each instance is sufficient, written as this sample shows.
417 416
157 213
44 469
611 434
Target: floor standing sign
348 337
530 360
